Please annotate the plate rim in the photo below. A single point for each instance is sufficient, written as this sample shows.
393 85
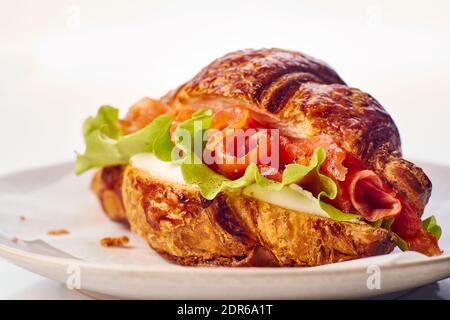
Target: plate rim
98 266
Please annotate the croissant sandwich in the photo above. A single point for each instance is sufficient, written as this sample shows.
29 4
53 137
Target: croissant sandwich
265 158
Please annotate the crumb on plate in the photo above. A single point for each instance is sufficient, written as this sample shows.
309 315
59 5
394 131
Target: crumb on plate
114 241
58 232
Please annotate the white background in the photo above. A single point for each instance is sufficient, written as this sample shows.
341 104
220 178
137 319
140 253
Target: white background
60 60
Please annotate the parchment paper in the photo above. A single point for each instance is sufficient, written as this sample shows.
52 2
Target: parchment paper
30 206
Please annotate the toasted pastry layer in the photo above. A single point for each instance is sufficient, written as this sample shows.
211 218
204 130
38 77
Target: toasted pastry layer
234 230
107 186
304 97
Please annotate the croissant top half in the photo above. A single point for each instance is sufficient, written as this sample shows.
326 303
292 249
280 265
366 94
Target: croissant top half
304 97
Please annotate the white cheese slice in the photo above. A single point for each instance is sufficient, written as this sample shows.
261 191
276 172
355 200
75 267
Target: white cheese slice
164 170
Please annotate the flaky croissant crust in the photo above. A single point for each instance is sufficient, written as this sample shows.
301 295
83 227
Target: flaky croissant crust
304 97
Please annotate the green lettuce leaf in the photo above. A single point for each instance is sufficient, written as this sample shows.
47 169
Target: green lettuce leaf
431 226
163 147
387 223
105 146
402 244
107 119
377 224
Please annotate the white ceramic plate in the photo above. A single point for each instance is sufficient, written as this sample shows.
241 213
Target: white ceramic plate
114 274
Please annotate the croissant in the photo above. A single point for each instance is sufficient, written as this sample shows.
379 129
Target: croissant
303 98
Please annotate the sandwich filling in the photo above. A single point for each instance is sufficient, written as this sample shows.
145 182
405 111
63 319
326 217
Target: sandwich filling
291 197
236 152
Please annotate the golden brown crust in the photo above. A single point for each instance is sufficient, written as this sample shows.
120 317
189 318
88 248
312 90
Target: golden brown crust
107 186
305 97
233 230
249 74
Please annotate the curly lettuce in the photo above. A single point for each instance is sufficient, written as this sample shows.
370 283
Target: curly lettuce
106 146
430 225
